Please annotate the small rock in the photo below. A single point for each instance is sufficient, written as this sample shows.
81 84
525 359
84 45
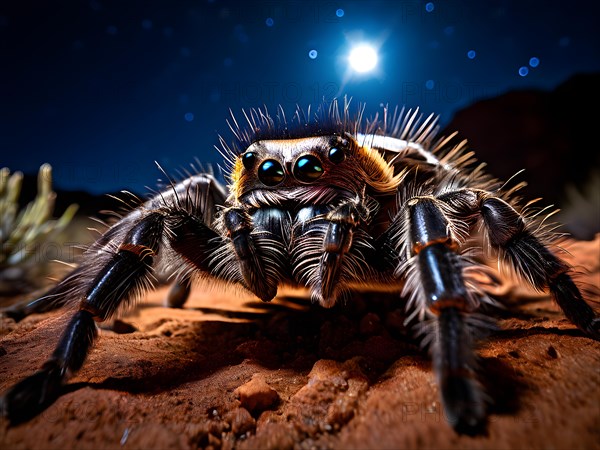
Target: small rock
256 395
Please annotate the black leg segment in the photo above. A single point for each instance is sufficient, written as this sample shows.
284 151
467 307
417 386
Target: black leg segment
444 294
454 364
31 395
439 266
535 262
123 272
127 271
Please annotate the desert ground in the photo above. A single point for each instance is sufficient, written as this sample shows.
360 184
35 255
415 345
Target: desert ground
228 371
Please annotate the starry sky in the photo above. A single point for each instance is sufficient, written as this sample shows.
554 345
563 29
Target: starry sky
103 89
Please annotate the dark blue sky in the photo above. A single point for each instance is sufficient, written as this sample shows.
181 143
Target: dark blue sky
102 89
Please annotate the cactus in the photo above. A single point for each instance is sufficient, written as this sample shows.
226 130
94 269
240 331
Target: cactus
23 231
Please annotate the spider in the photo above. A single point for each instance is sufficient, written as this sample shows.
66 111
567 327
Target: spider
335 203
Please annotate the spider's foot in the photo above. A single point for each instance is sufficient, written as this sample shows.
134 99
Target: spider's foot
178 294
593 329
463 405
32 395
589 323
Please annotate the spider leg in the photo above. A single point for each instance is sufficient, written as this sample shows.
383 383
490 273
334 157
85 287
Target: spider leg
123 273
115 269
436 283
179 293
192 204
518 244
507 231
59 295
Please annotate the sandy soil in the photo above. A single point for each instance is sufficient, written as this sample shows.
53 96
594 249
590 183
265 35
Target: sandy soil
232 372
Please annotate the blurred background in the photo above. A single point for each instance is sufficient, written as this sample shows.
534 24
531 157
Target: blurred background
103 89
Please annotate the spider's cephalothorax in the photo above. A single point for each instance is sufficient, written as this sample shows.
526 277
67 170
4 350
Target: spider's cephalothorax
332 203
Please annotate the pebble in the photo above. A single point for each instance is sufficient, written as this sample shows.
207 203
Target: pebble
256 395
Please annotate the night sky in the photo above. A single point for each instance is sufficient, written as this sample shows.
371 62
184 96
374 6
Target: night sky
102 89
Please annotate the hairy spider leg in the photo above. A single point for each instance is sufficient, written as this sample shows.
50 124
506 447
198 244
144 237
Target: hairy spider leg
535 262
114 271
60 294
125 270
438 268
191 210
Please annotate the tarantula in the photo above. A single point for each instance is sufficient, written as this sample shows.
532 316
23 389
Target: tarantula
334 203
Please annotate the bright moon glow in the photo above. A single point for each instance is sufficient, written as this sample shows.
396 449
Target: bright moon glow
363 58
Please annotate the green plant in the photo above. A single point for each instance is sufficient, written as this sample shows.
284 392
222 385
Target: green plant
24 231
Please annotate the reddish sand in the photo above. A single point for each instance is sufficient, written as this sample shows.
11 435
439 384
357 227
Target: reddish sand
231 372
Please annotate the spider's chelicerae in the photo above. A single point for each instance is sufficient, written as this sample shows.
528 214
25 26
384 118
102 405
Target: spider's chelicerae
334 203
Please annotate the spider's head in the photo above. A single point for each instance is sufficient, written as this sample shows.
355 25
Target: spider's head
311 158
309 168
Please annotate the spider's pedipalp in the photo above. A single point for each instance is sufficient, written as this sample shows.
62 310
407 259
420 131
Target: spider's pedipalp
332 249
257 241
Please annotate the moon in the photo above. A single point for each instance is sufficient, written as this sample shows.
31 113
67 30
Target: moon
363 58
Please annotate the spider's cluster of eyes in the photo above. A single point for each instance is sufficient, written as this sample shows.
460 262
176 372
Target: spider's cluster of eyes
307 168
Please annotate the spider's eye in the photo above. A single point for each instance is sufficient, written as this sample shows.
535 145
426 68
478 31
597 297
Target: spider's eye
270 173
336 155
308 168
249 159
